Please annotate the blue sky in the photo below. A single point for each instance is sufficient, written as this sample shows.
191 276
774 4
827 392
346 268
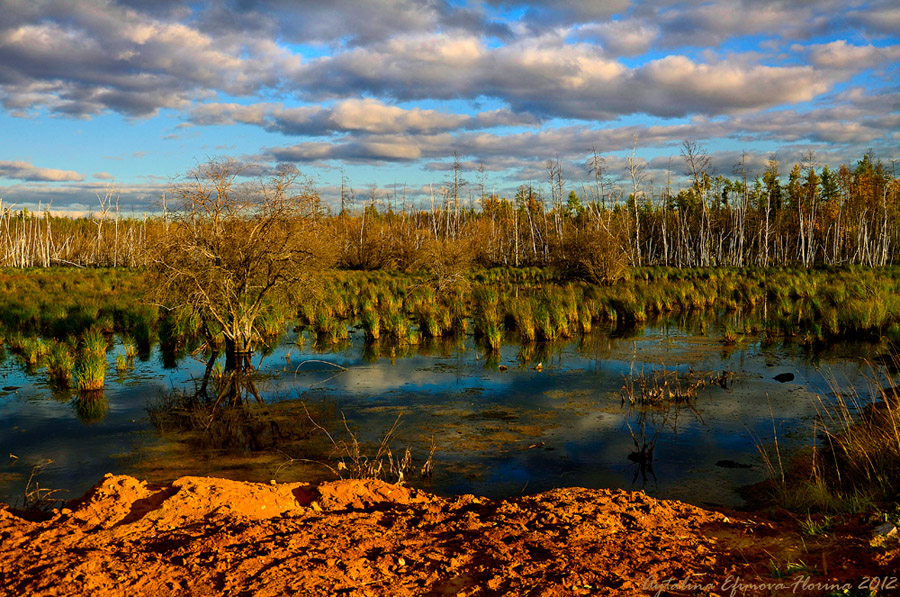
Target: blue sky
129 95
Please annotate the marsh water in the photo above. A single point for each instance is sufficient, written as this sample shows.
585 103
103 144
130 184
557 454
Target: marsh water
521 421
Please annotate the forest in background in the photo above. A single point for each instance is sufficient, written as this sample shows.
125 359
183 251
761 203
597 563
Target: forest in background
813 216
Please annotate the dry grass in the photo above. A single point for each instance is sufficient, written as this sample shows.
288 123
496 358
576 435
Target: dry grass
354 462
36 497
854 461
663 387
861 448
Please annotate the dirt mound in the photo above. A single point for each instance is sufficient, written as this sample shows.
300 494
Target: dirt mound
205 536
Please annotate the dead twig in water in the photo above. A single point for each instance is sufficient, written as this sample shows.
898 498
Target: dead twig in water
319 361
382 465
36 497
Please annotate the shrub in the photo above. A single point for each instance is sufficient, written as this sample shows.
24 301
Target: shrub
596 255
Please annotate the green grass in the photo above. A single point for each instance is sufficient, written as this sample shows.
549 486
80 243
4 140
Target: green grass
60 364
90 370
814 307
33 349
93 342
128 348
522 315
430 324
789 569
815 527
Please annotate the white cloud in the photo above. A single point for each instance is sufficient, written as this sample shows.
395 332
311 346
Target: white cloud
548 78
82 59
629 37
685 86
26 171
358 115
373 116
839 55
80 198
503 79
880 20
105 57
847 127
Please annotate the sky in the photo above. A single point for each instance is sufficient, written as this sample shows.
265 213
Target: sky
124 97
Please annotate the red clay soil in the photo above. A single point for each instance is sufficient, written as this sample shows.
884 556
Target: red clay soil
205 536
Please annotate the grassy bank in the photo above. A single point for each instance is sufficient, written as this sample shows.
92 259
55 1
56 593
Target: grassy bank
852 466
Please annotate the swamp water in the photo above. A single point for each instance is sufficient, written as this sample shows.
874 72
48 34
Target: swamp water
521 421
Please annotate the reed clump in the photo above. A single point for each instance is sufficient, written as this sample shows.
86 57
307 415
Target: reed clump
371 324
93 342
521 312
33 350
434 321
329 329
60 364
813 307
397 327
861 449
90 370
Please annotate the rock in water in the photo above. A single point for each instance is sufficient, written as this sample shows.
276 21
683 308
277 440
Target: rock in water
784 377
732 464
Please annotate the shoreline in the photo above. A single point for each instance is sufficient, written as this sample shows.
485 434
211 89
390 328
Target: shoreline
366 537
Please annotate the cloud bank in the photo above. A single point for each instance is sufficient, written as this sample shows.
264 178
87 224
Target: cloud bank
504 83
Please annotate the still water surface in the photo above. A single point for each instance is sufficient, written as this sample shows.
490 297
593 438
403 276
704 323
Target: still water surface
501 425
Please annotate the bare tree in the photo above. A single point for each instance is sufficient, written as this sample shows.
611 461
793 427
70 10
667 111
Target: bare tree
595 165
664 199
455 185
699 168
740 215
232 247
636 172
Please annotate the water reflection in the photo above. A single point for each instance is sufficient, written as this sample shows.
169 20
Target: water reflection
644 445
524 418
90 406
236 428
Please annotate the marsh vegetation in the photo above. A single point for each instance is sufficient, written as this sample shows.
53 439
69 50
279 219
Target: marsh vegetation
245 272
546 384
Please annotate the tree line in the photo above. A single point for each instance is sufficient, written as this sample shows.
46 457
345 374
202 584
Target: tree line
803 215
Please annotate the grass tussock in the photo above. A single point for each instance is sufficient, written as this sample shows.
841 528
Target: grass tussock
60 364
90 371
861 448
814 308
